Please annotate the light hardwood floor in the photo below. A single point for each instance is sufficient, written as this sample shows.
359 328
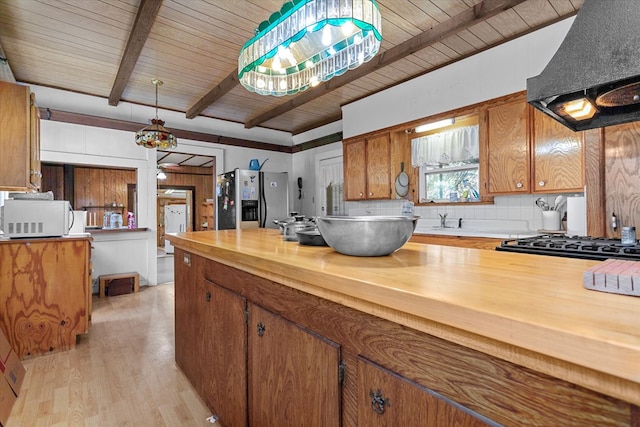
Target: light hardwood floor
122 373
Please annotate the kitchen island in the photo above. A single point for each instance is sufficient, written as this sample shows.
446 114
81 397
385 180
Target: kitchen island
498 337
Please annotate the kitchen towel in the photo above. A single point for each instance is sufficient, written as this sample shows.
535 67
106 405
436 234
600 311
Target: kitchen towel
576 216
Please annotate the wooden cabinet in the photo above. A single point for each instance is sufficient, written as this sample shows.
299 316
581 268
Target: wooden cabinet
386 399
622 179
45 293
294 373
529 152
216 352
508 148
367 173
211 341
207 218
19 139
558 156
291 367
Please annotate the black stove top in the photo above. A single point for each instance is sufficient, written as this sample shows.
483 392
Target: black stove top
573 247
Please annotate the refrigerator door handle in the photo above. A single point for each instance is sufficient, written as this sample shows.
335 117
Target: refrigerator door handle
262 202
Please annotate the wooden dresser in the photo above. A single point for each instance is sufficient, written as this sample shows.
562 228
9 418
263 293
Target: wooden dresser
45 293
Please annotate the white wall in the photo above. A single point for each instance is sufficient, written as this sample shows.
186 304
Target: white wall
499 71
304 165
66 143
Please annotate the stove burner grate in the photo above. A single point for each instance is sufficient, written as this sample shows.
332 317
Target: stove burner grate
597 248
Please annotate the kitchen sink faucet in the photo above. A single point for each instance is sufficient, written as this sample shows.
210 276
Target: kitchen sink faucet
443 220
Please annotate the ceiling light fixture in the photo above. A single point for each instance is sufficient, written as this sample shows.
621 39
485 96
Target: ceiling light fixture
156 135
435 125
308 42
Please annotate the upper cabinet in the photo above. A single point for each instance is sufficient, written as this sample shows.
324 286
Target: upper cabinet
367 172
508 148
529 152
19 139
558 156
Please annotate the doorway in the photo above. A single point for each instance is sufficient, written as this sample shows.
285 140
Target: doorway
175 207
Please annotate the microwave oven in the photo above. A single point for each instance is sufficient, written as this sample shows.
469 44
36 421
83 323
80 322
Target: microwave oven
36 218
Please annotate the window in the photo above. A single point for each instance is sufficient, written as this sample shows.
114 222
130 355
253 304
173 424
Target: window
456 181
449 164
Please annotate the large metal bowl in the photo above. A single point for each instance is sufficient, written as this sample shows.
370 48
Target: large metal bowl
366 235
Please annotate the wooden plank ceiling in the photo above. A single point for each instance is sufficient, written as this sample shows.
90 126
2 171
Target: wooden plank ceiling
113 48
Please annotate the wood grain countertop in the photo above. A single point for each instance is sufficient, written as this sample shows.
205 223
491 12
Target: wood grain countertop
531 310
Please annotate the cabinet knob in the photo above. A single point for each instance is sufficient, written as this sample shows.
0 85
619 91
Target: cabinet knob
361 194
260 329
370 194
207 297
519 185
378 402
541 183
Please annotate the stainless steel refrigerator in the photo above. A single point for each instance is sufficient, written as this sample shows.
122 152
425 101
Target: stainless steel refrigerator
251 199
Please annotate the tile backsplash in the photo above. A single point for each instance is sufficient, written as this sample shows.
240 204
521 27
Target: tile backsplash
517 207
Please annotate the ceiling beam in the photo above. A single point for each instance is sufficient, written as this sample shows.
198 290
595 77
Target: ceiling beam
216 93
145 18
472 16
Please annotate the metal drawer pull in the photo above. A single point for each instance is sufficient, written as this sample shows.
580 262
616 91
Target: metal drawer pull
378 402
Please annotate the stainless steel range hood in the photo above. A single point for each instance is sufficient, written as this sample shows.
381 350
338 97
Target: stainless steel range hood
593 80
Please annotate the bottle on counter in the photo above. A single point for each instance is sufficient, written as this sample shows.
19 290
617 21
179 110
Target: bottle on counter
131 220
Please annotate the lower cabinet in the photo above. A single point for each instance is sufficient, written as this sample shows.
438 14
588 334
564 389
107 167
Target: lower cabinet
45 293
260 353
294 374
260 375
386 399
211 343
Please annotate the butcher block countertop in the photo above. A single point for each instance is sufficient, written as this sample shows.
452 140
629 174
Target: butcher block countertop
531 310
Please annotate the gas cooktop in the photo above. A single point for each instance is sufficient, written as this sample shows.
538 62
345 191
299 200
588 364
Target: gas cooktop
573 247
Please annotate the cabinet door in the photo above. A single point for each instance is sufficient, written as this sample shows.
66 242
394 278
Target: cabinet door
35 173
558 156
293 374
44 294
355 173
223 348
187 318
14 137
386 399
378 156
508 148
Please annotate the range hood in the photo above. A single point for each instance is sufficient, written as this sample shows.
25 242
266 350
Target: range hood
593 80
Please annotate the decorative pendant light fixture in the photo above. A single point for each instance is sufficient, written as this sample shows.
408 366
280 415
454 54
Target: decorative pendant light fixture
308 42
156 135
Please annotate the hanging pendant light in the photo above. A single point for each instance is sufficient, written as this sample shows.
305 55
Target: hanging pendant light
308 42
156 135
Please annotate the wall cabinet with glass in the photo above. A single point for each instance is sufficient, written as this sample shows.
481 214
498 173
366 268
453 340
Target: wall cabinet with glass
367 174
19 139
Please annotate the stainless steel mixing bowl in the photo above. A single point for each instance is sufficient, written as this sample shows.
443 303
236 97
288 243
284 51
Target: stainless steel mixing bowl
366 235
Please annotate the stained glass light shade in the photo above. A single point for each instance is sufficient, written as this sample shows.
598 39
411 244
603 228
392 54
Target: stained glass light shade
308 42
156 135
